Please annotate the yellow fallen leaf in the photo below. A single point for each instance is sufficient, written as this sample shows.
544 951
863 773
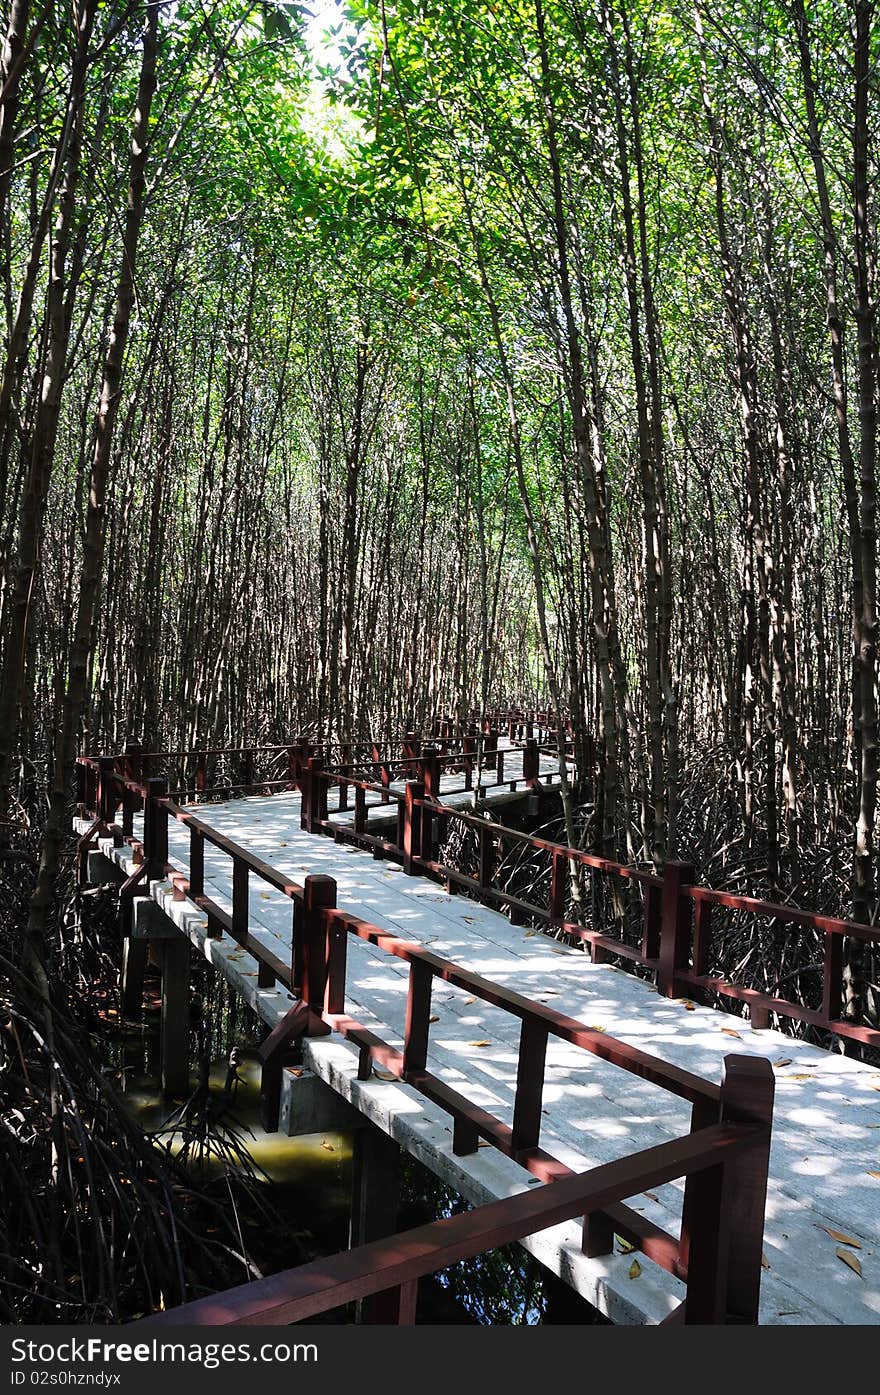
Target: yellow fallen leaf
529 933
595 1028
328 1146
799 1077
265 896
479 1043
470 1000
729 1032
625 1247
765 1263
384 1074
635 1269
484 1143
852 1260
874 1174
839 1236
691 1007
786 1061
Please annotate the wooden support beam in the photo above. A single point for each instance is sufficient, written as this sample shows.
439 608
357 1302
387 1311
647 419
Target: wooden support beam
174 1021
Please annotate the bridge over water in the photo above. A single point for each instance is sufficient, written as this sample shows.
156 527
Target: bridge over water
543 1083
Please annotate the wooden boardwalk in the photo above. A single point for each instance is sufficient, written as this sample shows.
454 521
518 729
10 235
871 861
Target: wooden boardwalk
826 1136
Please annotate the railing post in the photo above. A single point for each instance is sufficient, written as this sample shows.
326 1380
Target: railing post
240 896
337 955
360 809
201 772
723 1216
106 789
430 772
529 1084
291 767
469 751
305 786
248 770
310 936
156 828
412 826
675 926
651 921
490 750
747 1092
531 763
317 801
81 787
133 762
418 1011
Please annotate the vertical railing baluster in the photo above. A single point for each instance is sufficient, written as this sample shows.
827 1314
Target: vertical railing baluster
651 921
414 792
832 977
675 927
240 895
418 1011
529 1084
196 863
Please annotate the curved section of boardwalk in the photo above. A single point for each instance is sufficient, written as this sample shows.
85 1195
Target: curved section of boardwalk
826 1137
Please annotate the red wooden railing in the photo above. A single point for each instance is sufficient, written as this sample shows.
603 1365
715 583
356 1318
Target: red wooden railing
725 1167
677 915
712 1261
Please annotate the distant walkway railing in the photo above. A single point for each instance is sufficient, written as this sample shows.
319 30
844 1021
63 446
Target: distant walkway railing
678 917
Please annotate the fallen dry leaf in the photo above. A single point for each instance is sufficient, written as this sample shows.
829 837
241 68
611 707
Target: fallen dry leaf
484 1143
625 1248
691 1007
729 1032
852 1260
799 1077
435 1018
786 1061
383 1074
265 896
765 1263
469 1000
595 1028
328 1146
469 919
479 1043
871 1173
635 1269
651 1196
840 1237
